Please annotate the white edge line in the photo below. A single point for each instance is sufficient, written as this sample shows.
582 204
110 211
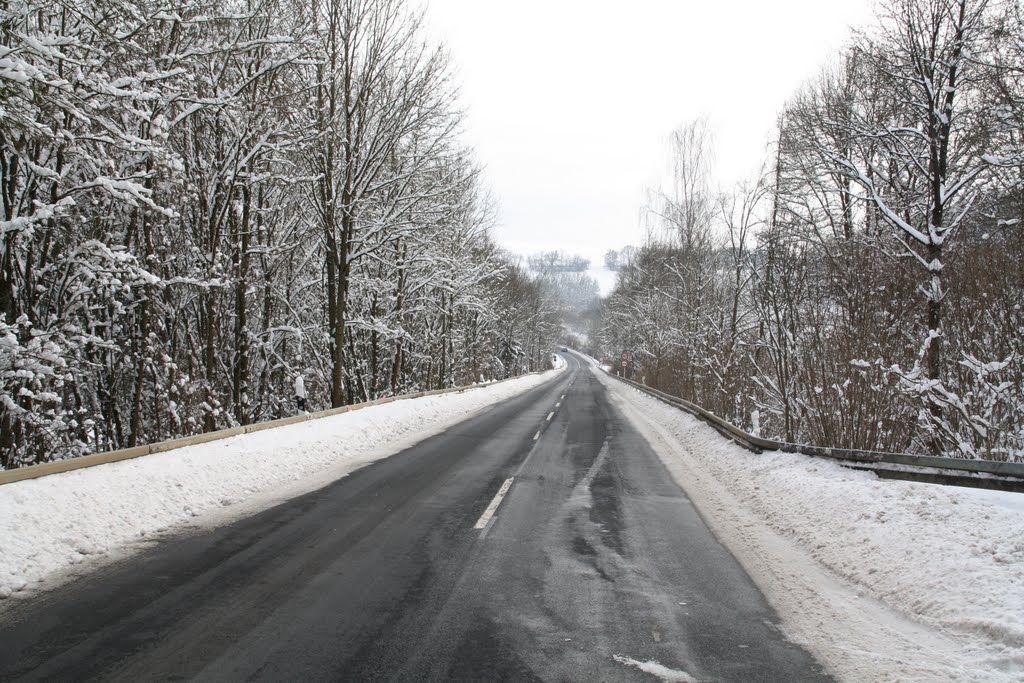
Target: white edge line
489 512
551 415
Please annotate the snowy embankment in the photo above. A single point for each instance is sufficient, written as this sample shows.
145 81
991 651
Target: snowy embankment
56 523
882 580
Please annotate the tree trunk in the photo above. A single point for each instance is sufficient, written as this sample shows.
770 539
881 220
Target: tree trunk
240 375
210 361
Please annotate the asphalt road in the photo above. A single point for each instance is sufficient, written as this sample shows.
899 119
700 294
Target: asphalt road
594 566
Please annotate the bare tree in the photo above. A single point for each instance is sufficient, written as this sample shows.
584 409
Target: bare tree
923 51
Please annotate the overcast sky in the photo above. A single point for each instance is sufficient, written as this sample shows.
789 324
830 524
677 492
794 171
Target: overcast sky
570 102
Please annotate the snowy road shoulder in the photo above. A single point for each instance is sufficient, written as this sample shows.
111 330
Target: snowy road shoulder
69 522
881 580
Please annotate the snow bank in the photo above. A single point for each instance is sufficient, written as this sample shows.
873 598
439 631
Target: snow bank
882 580
54 523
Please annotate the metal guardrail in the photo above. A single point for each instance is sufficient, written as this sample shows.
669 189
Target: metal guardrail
986 474
70 464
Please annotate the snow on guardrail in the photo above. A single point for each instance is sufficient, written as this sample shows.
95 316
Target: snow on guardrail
70 464
987 474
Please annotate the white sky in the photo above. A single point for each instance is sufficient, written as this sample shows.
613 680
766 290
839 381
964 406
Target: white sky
570 102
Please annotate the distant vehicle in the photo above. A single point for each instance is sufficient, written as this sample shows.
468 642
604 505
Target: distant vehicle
563 349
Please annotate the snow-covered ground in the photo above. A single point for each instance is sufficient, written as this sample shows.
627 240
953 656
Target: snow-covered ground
881 580
56 525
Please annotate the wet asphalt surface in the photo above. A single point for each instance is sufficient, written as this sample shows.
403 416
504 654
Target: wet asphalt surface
594 563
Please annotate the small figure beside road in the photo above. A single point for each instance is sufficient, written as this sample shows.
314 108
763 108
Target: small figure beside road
300 392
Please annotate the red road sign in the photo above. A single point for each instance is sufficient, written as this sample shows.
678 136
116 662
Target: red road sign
624 356
625 362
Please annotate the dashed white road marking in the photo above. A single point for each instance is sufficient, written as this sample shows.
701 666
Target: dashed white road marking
485 518
489 512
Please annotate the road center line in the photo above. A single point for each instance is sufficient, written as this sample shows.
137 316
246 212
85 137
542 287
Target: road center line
550 415
498 497
536 436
